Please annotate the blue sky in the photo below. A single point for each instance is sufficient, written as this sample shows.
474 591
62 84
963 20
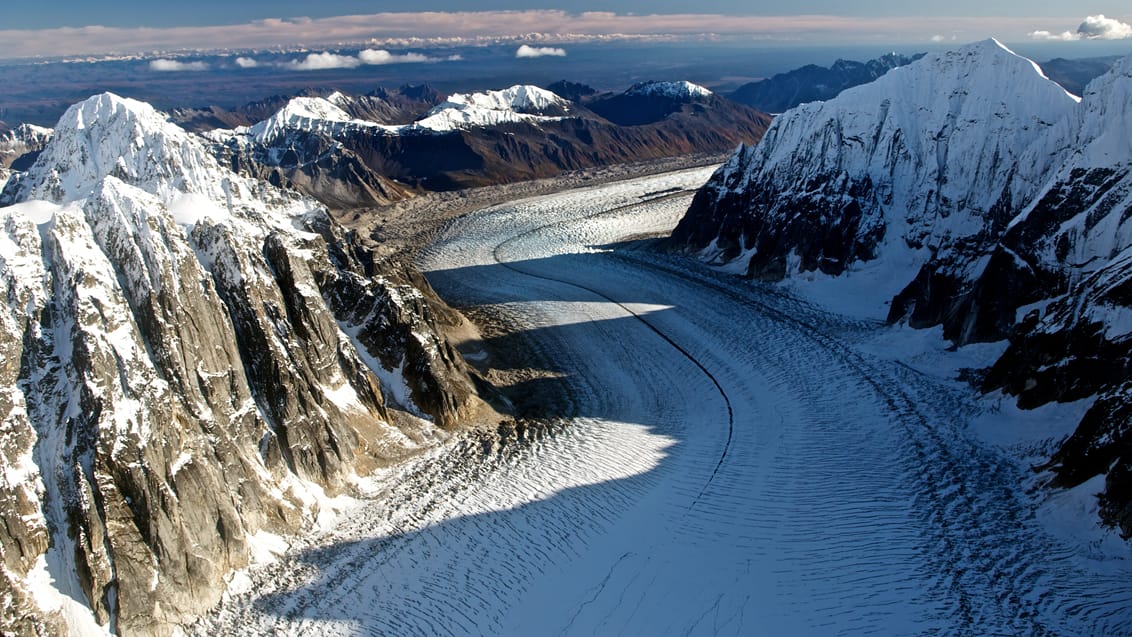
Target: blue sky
130 13
51 28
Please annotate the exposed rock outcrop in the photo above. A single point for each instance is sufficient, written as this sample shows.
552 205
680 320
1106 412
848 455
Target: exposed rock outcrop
1006 201
477 139
190 358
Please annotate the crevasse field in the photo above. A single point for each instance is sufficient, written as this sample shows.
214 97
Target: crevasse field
738 461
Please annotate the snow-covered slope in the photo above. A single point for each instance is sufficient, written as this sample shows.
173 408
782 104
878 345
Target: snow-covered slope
1070 255
911 166
306 113
191 358
976 195
682 90
520 103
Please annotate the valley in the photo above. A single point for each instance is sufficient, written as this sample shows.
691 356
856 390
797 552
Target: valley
732 458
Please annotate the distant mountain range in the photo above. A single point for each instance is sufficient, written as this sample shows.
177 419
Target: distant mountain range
812 83
351 151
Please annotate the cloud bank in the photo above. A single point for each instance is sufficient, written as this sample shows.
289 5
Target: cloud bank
532 27
526 51
369 57
246 63
176 65
321 61
1094 27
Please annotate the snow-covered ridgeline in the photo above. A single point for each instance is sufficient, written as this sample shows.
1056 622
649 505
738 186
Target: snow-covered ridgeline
190 331
918 158
517 104
682 90
313 114
964 190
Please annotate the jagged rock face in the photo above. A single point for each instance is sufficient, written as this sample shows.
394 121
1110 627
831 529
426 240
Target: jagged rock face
917 162
21 145
813 83
181 367
1076 237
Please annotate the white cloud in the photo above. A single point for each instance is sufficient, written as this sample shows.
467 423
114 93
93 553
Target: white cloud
381 56
1094 27
1098 27
176 65
246 63
525 51
1049 35
373 57
325 60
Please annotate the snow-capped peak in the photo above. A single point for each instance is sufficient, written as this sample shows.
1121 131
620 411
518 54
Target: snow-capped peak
302 113
108 136
338 99
112 135
23 134
520 103
519 98
676 90
916 162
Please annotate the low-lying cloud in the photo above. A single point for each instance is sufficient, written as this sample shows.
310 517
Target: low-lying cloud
323 61
526 51
1094 27
176 65
369 57
246 63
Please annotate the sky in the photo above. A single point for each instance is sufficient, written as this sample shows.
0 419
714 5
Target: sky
132 13
74 27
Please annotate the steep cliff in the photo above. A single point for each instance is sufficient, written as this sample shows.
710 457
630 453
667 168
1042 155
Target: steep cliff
997 205
191 358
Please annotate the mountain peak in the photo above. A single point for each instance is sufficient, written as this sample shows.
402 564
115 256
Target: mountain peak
296 113
676 90
109 107
521 98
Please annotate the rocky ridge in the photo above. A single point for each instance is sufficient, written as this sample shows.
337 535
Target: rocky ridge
997 205
492 137
191 360
813 83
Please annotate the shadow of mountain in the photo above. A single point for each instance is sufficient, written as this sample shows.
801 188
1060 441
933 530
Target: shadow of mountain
462 575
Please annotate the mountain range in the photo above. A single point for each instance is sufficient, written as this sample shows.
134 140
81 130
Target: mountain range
193 361
347 151
965 190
